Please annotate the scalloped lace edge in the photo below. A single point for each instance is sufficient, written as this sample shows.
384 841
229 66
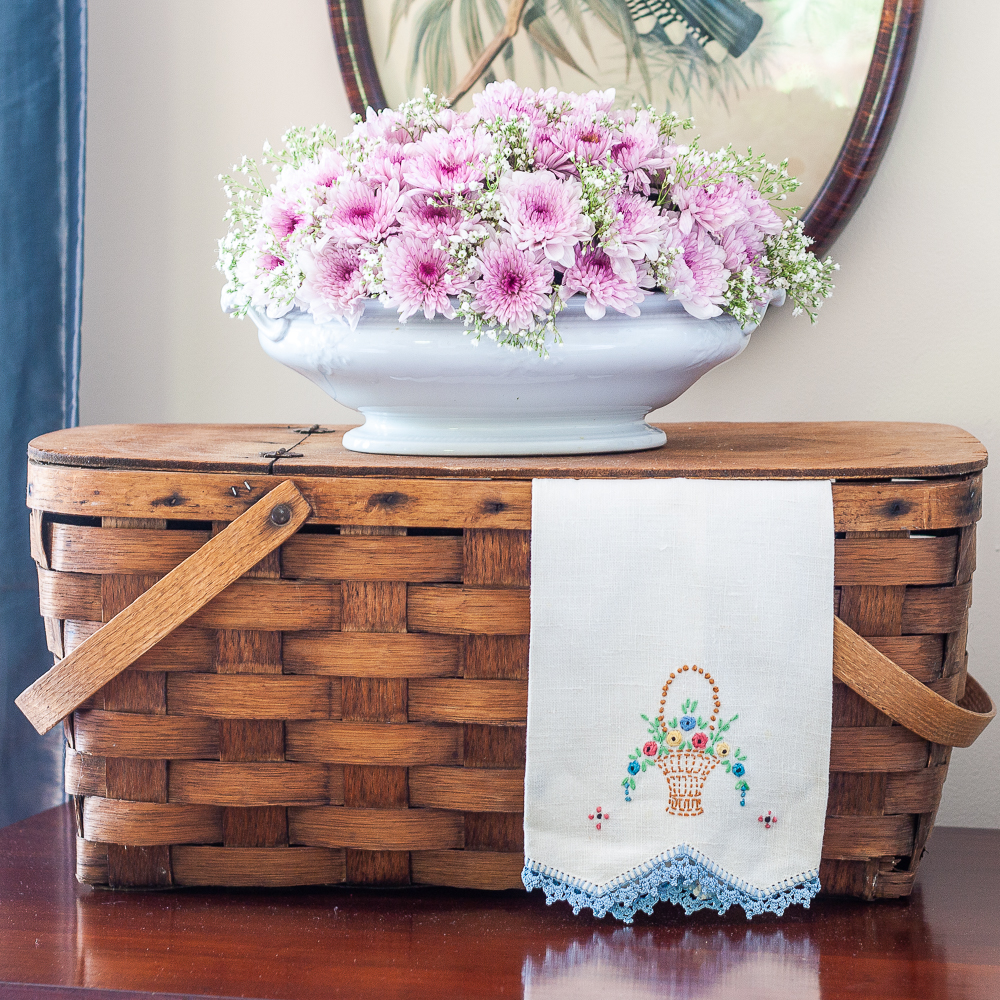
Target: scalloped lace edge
682 876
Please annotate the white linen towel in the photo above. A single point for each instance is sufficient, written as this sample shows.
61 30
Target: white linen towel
679 692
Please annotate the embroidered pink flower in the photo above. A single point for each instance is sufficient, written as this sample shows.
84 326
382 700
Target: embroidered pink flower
699 276
448 162
651 749
699 741
419 276
713 207
333 285
361 213
514 285
539 210
639 152
594 273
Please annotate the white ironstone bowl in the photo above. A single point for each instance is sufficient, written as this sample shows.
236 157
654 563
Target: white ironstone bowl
427 389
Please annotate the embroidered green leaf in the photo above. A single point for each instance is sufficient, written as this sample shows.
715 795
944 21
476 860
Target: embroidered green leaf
631 781
694 706
643 716
726 725
643 767
727 766
742 786
673 723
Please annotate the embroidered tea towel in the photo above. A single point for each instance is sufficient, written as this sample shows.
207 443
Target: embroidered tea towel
679 693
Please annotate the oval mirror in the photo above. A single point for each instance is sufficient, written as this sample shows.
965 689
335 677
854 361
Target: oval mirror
818 81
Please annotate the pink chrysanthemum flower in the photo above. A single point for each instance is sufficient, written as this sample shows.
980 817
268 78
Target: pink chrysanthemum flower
584 138
385 164
541 211
639 152
505 101
593 101
326 172
423 216
418 276
594 273
546 154
699 275
383 126
743 245
448 162
284 216
639 231
713 207
514 285
333 285
759 211
361 213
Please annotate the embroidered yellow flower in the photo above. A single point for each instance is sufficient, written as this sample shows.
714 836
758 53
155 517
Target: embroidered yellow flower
674 737
722 749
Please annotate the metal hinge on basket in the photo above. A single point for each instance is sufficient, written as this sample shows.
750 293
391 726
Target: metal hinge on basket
279 514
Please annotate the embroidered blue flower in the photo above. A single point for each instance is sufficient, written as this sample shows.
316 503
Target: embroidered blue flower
633 767
739 770
688 722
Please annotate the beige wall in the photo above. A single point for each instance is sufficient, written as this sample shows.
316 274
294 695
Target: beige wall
179 90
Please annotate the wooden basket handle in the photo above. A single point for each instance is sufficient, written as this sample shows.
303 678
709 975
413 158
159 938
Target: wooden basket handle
903 698
168 603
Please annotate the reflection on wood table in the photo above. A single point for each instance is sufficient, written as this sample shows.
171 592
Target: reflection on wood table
59 939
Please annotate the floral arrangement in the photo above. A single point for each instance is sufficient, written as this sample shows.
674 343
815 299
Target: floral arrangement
501 214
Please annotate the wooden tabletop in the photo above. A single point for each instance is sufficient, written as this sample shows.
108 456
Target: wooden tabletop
943 943
844 450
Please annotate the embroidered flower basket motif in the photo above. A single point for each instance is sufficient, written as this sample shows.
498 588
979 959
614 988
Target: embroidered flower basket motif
687 748
686 773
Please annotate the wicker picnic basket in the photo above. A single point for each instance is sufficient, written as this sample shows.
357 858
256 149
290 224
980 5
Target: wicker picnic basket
331 685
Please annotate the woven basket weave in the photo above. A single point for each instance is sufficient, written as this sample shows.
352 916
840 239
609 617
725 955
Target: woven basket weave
353 708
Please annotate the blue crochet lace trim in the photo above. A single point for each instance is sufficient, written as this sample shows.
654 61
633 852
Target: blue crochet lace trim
682 876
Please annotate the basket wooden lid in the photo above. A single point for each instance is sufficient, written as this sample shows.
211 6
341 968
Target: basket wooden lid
841 450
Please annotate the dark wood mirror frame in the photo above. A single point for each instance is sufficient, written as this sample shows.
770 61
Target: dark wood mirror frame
859 156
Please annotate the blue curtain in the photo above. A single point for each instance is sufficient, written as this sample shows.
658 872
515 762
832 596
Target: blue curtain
43 52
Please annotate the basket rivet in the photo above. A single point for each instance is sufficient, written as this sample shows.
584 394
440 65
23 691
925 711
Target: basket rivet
281 514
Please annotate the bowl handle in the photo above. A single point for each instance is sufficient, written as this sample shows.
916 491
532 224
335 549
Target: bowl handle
273 329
